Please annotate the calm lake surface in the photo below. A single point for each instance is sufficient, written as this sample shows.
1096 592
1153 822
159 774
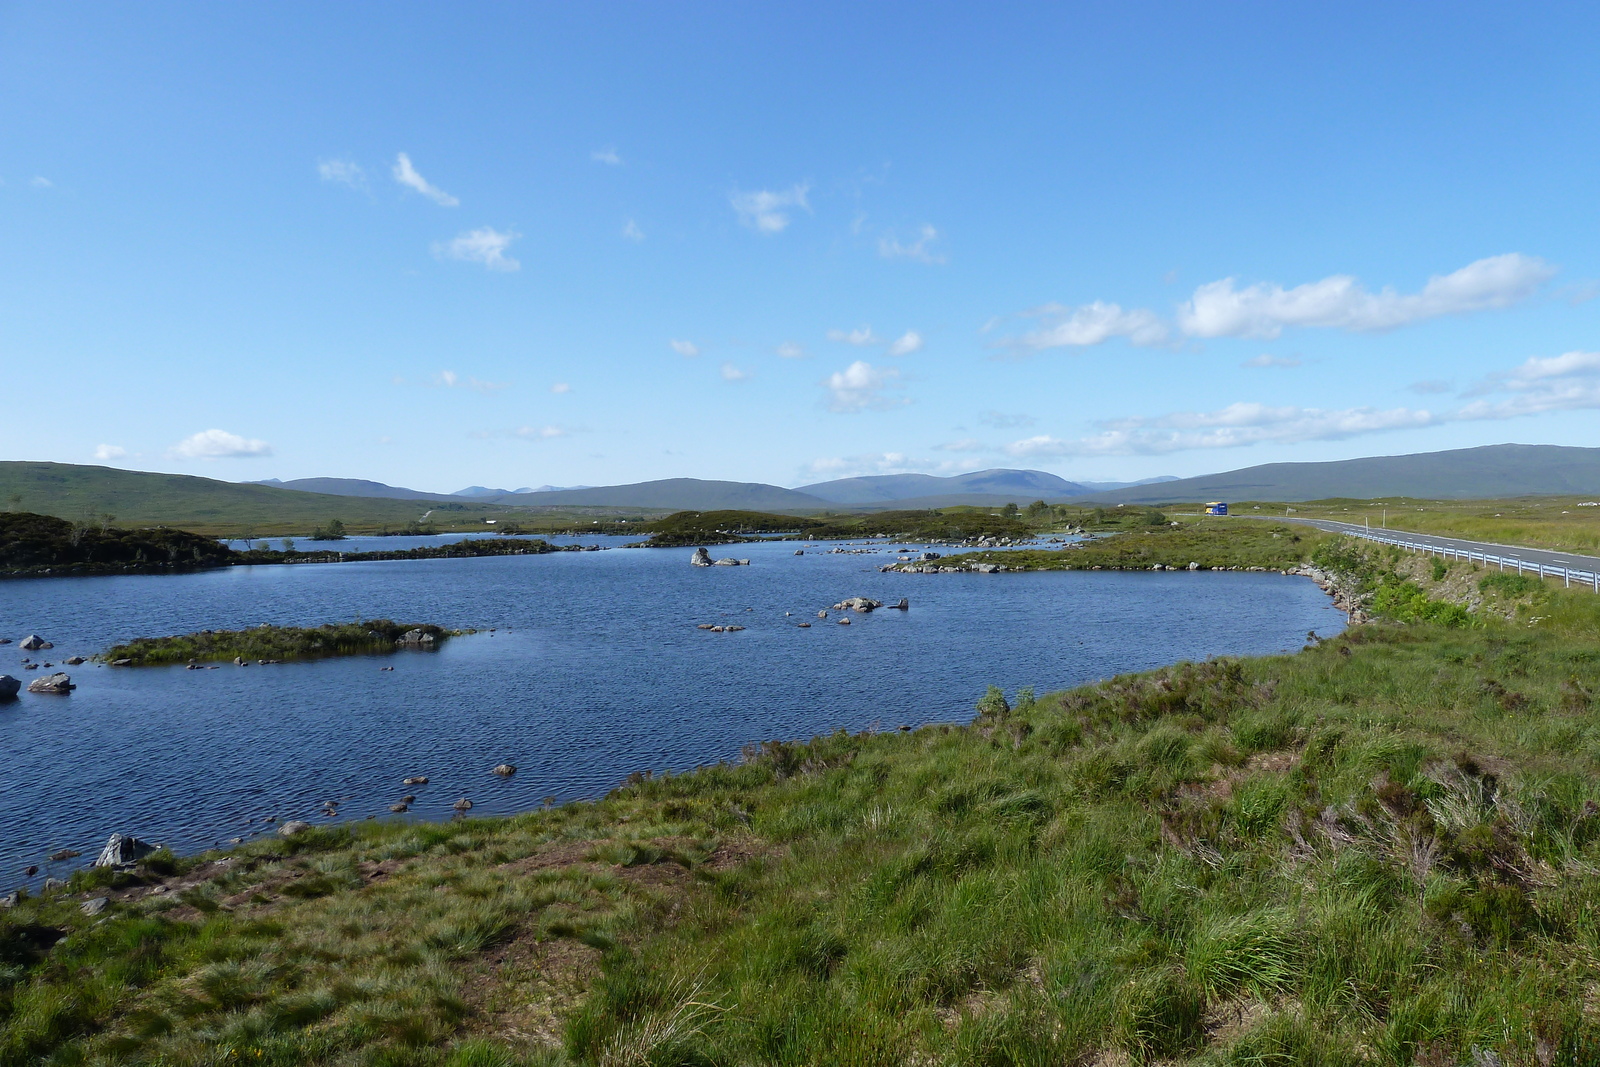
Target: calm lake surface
595 670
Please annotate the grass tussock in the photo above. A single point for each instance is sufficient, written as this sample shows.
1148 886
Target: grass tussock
1381 850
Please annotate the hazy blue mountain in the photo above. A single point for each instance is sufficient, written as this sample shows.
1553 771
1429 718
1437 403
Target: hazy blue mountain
888 488
1106 487
350 487
679 494
1458 474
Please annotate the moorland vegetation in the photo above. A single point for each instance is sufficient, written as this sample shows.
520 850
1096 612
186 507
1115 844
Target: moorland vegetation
267 642
1379 850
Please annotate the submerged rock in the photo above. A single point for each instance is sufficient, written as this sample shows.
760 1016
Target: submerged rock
61 854
52 683
462 805
420 779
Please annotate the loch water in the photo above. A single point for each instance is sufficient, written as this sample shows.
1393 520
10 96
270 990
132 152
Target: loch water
594 669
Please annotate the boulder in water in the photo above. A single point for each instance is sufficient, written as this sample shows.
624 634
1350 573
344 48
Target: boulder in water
418 779
293 827
61 854
904 605
9 686
52 683
415 638
505 770
123 851
858 603
33 642
462 805
701 558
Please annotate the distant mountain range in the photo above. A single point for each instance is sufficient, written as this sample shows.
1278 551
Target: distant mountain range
1459 474
1464 473
979 488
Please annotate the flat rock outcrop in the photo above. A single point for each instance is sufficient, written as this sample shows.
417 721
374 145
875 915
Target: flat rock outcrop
60 682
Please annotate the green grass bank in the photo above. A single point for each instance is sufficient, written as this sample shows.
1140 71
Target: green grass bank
1380 850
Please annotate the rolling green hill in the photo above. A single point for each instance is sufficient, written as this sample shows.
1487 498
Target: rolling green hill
1488 472
204 505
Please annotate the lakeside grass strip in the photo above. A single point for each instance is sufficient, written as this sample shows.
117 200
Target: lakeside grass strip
1380 850
1214 544
372 637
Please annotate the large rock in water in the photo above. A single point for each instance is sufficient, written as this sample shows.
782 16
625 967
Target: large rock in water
9 687
701 558
33 642
415 639
59 682
123 851
858 603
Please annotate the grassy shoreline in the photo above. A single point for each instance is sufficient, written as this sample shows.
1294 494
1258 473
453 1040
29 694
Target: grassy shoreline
1382 849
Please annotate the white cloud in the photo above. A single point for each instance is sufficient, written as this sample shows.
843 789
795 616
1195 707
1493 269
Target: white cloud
730 373
790 350
861 335
860 387
219 444
632 232
561 387
485 245
448 379
539 433
1267 359
965 444
1217 309
1568 382
686 349
343 171
607 156
767 211
1231 427
906 344
109 452
1092 324
407 175
1002 421
39 181
876 463
889 247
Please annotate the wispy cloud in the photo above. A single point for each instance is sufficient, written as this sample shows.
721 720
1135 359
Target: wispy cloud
485 245
607 156
790 350
1568 382
767 211
1432 386
1266 309
105 453
730 373
540 433
878 463
1267 359
862 387
407 175
39 181
1003 421
965 444
560 387
448 379
219 444
920 250
1217 309
686 349
344 171
861 335
632 232
906 344
1090 324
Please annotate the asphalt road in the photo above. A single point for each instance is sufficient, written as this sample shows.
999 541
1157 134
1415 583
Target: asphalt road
1587 566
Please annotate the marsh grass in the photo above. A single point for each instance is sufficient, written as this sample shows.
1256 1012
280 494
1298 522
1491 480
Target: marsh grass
1383 849
1215 544
373 636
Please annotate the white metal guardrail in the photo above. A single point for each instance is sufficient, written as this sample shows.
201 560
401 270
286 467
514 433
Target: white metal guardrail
1488 559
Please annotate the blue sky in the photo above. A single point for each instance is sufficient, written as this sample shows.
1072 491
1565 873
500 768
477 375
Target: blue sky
520 244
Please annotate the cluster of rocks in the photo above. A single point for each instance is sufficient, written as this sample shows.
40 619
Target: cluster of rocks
1343 598
416 638
719 629
702 558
